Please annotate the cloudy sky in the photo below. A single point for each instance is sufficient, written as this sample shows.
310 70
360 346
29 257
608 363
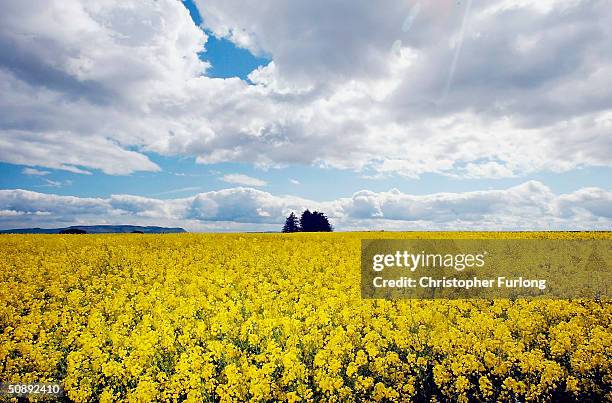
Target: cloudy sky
223 115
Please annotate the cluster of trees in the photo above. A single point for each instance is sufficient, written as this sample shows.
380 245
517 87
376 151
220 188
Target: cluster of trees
73 231
308 222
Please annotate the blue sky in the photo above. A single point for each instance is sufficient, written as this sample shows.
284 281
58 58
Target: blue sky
226 59
183 177
306 111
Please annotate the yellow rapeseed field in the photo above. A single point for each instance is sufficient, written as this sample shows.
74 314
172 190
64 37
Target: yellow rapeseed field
212 317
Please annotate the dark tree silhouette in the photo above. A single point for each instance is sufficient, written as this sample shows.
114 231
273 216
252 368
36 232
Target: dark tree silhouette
321 222
306 221
291 224
314 222
137 232
73 231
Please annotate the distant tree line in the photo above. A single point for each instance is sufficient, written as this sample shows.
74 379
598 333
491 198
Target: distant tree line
308 222
82 231
73 231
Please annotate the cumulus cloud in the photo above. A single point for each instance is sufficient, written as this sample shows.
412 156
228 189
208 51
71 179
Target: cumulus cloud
243 205
529 206
350 86
585 202
240 179
79 79
530 201
507 110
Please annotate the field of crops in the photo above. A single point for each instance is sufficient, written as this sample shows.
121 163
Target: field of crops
276 317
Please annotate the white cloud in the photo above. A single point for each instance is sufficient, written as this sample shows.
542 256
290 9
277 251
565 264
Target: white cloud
507 112
179 190
240 179
99 85
34 171
79 80
529 206
243 205
55 184
586 202
294 181
63 151
531 199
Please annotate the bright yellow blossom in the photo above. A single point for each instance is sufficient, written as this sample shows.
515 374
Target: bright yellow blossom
271 317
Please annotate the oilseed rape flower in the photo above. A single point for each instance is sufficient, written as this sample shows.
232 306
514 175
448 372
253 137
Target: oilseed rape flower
271 317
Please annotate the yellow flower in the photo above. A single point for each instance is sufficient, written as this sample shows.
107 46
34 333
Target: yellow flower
269 317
